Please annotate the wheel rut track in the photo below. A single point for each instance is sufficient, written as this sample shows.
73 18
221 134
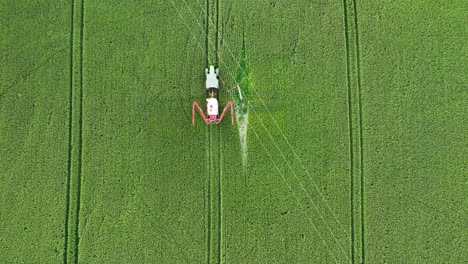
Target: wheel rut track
356 147
214 214
75 130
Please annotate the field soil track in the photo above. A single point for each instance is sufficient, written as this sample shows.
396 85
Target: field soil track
355 141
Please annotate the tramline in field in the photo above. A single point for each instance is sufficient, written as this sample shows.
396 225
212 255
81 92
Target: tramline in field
212 105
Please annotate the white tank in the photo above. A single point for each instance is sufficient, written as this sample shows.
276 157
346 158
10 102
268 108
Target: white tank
212 106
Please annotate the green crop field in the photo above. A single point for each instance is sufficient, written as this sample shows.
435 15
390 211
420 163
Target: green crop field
350 143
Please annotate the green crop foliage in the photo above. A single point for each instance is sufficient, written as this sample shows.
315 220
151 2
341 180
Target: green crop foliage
353 152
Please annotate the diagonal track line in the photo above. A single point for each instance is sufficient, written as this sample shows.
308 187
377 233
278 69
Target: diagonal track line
289 166
295 153
292 192
178 12
283 154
